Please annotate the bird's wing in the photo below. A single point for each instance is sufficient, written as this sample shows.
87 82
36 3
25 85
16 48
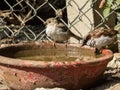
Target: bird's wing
63 27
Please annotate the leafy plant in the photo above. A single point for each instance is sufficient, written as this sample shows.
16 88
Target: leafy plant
112 5
107 8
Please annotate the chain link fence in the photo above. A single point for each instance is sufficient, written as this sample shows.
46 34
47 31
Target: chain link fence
24 20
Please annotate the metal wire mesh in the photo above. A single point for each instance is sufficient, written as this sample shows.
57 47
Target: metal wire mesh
24 19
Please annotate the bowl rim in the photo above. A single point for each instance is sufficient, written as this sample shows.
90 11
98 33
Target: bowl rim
108 56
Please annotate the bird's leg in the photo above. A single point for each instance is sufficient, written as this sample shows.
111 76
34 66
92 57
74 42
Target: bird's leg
66 43
54 44
97 51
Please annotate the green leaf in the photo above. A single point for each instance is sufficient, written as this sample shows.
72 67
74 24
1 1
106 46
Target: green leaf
106 12
109 5
117 27
107 8
1 29
118 2
109 2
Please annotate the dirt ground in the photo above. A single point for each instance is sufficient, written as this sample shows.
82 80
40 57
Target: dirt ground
109 81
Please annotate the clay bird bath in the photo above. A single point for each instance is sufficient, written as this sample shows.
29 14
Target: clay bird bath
28 66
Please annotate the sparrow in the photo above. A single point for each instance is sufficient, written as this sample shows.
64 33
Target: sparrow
100 38
57 31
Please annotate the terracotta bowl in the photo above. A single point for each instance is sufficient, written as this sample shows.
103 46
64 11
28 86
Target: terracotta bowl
22 74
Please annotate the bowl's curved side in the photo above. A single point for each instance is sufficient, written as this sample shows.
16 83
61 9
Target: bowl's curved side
27 75
70 77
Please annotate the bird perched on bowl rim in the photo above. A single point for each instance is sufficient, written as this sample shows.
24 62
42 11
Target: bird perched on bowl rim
100 38
57 31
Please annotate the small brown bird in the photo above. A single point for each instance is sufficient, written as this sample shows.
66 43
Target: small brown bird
57 31
100 38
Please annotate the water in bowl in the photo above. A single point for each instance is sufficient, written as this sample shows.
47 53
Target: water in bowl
47 54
